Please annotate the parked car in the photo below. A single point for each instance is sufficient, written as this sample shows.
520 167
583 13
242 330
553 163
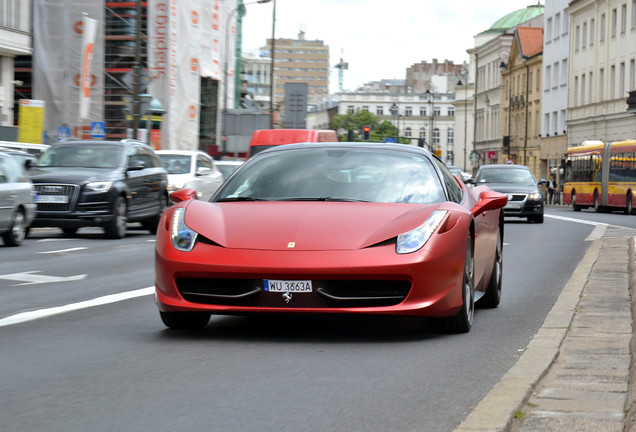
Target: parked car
17 208
517 181
26 159
99 183
227 167
332 228
192 169
461 174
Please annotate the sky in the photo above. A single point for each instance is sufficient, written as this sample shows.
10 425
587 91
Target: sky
379 39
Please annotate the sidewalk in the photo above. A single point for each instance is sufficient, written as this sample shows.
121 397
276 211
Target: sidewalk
575 372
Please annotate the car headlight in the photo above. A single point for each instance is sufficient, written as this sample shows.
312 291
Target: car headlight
183 238
99 186
535 196
414 240
175 186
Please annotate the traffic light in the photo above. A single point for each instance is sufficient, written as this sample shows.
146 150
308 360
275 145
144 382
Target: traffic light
366 130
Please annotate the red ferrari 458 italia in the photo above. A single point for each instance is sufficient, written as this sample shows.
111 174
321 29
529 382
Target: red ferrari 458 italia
333 228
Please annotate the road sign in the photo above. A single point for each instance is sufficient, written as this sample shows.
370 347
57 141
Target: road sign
98 130
390 140
63 132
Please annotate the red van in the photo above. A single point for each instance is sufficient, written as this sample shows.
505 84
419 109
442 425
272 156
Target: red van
266 138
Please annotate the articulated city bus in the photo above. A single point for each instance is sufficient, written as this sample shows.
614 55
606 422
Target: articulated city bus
601 175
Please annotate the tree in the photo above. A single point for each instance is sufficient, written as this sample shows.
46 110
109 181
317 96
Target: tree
355 122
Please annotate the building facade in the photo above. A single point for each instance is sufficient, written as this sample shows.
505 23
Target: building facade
492 48
522 85
602 70
429 116
15 34
299 61
554 107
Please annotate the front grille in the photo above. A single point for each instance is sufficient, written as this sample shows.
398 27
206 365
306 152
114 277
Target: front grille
48 193
326 293
517 197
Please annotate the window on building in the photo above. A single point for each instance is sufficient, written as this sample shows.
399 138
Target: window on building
590 80
379 110
365 108
437 111
450 136
423 111
632 74
351 109
548 76
408 111
592 31
451 111
564 72
548 29
555 81
422 133
583 89
436 136
612 82
546 122
633 13
557 25
407 132
577 38
576 91
601 85
621 80
623 18
538 79
584 36
614 22
602 29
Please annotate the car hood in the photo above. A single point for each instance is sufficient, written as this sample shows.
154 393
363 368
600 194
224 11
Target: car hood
507 188
73 175
304 226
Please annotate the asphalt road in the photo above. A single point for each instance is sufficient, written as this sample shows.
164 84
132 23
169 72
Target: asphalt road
114 366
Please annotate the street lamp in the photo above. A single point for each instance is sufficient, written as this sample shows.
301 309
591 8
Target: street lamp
394 111
271 68
226 54
464 74
432 115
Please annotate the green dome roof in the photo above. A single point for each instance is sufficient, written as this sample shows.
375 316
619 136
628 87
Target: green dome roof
513 19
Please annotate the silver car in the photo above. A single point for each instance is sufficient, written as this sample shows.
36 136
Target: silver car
17 208
191 169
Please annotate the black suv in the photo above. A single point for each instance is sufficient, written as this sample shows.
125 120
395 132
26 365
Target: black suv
99 183
521 186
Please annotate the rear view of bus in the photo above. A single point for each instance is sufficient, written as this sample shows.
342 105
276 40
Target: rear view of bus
267 138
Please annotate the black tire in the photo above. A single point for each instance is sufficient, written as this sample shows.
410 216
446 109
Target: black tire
116 227
185 320
463 321
17 232
492 297
575 207
151 224
69 231
536 218
628 204
597 204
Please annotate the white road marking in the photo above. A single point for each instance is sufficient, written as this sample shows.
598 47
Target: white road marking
63 250
31 278
99 301
569 219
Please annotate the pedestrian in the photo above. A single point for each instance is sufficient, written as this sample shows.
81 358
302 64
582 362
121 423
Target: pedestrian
552 186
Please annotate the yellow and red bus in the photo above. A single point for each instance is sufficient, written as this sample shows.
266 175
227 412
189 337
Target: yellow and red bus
601 175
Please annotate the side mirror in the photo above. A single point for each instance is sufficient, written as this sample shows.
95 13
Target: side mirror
201 171
470 181
136 165
489 200
183 195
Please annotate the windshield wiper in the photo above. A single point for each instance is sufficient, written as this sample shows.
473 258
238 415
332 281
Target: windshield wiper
239 198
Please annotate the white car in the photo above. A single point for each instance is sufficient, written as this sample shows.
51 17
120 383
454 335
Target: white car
191 169
227 167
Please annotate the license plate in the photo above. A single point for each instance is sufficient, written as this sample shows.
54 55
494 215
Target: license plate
287 285
513 205
55 199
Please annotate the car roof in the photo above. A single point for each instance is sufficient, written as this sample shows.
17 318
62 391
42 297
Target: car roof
181 152
500 166
385 146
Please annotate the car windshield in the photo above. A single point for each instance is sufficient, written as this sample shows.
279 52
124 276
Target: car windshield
335 174
227 170
175 163
504 175
82 155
